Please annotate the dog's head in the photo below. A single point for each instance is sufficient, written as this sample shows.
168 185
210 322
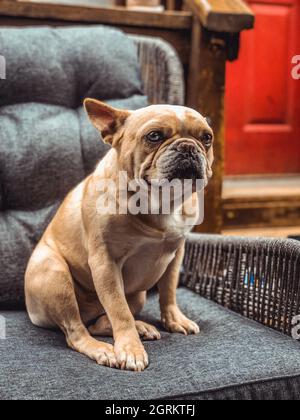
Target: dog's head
158 142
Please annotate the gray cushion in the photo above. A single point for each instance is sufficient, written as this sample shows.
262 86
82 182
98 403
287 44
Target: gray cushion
64 65
47 144
233 358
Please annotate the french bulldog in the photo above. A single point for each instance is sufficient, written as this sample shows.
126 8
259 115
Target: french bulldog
90 273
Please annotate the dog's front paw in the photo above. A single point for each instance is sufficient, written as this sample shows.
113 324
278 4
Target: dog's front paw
131 354
175 322
146 331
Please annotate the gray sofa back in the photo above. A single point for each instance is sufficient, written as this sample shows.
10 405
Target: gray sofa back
47 144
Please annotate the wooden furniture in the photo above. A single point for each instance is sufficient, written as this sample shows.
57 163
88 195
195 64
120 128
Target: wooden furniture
143 3
205 34
261 202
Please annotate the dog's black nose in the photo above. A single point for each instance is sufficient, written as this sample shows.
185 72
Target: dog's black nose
189 162
187 149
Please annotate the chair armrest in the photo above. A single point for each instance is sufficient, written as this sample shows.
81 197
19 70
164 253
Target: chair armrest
258 278
161 70
223 15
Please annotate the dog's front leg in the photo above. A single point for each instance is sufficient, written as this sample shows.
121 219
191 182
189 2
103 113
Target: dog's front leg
172 318
107 276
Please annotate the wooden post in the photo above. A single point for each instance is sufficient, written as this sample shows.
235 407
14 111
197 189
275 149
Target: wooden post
174 4
215 39
206 87
229 16
171 4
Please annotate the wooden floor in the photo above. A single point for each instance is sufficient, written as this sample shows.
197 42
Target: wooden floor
262 206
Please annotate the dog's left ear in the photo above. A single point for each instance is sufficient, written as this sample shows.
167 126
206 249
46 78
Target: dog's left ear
106 119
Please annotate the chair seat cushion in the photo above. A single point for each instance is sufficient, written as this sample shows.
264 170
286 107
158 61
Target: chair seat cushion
233 358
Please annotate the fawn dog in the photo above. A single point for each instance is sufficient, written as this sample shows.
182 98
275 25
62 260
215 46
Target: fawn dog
90 273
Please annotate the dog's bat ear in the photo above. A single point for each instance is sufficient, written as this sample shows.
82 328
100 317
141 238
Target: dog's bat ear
209 121
210 159
105 118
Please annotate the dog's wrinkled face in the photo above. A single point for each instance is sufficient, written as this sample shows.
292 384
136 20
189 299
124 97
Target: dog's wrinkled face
158 142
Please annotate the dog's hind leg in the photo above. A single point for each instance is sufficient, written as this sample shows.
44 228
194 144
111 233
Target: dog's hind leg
51 302
136 302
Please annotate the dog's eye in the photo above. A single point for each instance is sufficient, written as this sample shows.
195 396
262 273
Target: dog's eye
207 139
155 136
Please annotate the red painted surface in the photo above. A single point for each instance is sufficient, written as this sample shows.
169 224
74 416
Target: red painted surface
262 98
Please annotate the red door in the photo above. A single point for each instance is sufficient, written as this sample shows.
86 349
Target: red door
263 95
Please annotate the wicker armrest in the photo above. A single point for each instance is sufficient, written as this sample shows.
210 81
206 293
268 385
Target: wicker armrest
162 71
258 278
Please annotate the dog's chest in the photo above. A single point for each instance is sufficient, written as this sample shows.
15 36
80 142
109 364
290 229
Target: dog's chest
142 270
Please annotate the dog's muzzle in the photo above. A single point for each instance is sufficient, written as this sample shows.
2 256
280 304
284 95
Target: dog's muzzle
183 161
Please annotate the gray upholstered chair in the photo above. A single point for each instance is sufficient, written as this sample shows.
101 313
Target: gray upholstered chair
234 357
47 144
